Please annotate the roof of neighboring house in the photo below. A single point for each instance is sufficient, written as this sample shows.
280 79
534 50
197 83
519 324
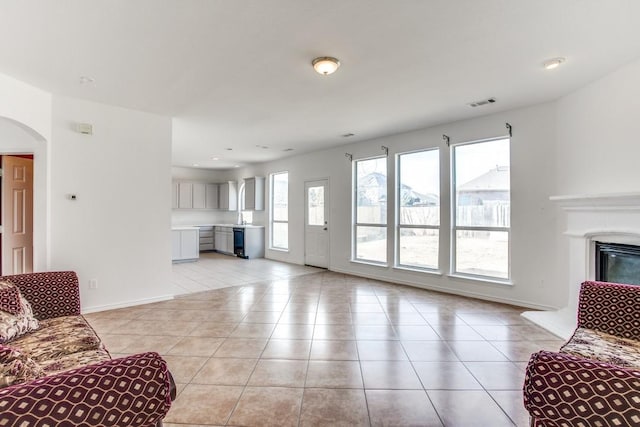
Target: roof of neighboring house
494 180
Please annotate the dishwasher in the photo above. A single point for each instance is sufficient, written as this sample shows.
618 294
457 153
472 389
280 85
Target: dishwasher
238 242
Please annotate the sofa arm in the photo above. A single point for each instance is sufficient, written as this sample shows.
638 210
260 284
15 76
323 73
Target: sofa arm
611 308
569 391
51 294
130 391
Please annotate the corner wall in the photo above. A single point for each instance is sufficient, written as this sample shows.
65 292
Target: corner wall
118 229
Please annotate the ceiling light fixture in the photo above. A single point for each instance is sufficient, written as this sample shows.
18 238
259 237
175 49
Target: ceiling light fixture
215 158
325 65
85 80
550 64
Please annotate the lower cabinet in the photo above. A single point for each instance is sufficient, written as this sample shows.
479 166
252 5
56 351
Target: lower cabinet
224 239
206 238
185 244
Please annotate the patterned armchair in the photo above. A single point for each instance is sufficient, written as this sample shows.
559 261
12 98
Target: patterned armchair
594 379
131 391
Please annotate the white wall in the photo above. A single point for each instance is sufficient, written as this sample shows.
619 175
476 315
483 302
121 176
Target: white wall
533 218
599 135
118 231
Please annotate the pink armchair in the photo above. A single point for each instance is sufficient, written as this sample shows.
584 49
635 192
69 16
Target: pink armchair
594 379
135 390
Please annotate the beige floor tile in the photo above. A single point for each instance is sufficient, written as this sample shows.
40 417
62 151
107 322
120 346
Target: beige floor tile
497 375
429 351
196 346
241 347
334 350
397 375
253 330
511 402
220 371
183 368
445 376
468 408
268 406
401 408
331 407
213 329
287 349
279 373
381 350
334 374
204 404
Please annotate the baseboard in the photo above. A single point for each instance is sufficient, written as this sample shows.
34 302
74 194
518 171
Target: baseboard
94 309
519 303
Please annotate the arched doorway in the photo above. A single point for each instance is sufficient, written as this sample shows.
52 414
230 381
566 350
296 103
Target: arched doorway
22 198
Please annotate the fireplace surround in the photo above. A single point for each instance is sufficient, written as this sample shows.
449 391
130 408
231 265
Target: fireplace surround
610 218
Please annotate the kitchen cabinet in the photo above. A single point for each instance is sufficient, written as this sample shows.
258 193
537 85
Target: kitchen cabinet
185 195
206 238
224 239
199 194
174 195
228 196
184 244
254 193
211 196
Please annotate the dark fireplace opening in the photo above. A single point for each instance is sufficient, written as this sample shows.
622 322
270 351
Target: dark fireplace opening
618 263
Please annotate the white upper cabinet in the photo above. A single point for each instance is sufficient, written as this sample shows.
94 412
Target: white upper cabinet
228 196
199 194
254 193
185 195
211 197
194 195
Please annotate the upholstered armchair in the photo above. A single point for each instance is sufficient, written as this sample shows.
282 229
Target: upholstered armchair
135 390
594 379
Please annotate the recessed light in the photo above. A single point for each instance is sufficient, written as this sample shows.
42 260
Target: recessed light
195 165
236 166
85 80
552 63
215 158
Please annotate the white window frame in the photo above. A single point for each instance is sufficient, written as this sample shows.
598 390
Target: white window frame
271 209
399 226
354 220
455 228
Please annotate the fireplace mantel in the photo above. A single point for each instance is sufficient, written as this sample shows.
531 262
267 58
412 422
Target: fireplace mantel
611 218
598 201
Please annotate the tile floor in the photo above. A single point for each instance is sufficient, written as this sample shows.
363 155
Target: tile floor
285 348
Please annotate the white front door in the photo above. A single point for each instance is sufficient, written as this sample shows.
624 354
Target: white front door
316 235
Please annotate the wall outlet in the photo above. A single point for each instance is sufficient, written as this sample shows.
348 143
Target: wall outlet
93 284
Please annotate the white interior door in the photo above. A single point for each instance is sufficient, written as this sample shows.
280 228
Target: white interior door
17 215
316 229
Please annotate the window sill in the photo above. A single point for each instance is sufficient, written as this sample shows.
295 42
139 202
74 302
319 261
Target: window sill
418 270
488 280
372 263
279 250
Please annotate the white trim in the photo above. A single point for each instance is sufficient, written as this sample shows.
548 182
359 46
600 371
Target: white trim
94 309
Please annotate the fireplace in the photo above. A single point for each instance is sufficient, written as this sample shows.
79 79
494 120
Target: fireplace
589 220
616 262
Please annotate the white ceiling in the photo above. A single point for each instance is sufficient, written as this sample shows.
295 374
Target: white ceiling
237 73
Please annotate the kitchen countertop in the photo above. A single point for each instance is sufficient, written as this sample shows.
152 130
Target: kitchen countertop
184 227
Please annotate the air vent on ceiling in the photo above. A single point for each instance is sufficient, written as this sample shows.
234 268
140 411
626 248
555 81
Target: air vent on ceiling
483 102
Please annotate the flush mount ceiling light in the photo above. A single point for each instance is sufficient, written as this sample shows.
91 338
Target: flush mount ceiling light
552 63
325 65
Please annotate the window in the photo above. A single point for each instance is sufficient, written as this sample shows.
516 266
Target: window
280 210
482 201
418 209
370 202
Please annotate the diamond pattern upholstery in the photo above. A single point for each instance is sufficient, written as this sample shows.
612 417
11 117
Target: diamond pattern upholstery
569 390
51 294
